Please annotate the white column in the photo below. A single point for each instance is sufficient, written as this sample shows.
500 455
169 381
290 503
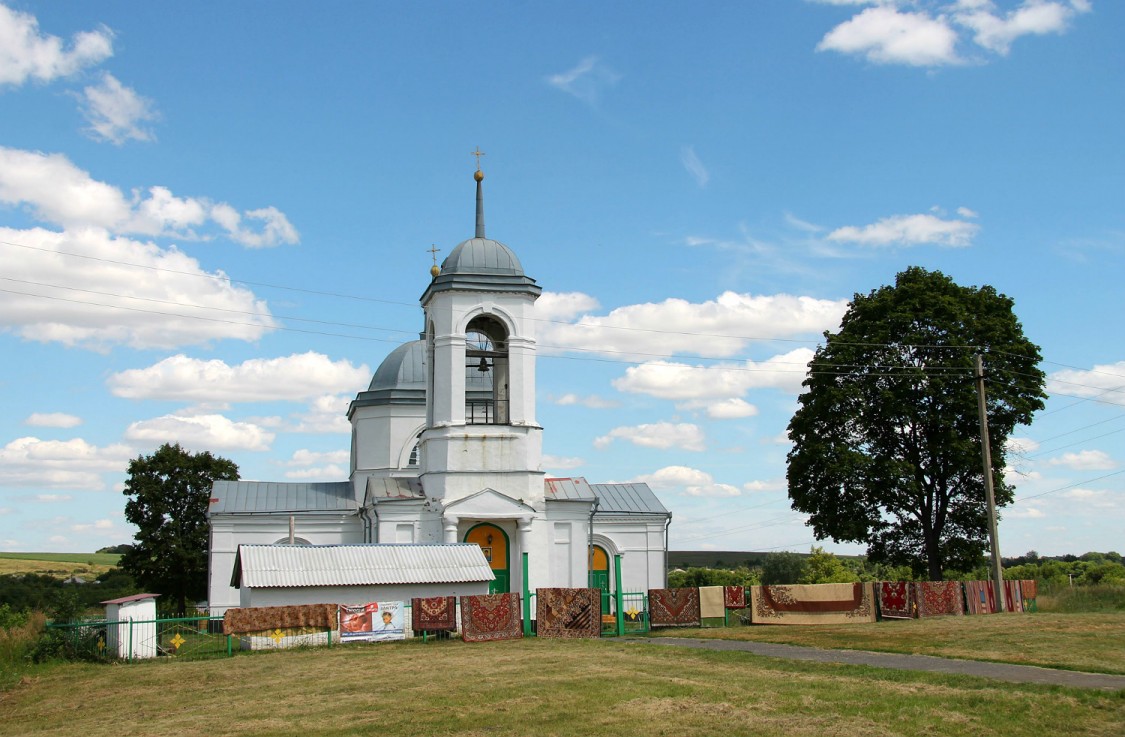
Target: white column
451 529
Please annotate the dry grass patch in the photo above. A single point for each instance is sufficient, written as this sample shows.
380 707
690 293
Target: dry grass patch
536 687
1093 642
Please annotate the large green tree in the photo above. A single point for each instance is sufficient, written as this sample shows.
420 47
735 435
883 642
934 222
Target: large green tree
886 440
168 496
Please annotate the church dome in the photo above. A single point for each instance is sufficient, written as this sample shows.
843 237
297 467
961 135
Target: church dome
403 368
482 256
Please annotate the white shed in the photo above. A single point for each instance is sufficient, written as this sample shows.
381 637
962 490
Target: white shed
284 575
131 632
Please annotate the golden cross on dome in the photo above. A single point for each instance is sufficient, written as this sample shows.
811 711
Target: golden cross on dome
433 251
478 153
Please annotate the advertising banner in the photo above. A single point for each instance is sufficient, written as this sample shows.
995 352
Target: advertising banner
375 621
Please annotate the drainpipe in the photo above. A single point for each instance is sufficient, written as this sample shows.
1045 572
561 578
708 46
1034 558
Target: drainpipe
590 540
666 526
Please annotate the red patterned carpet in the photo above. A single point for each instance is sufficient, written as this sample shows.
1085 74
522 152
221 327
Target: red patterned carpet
673 607
568 613
433 614
490 617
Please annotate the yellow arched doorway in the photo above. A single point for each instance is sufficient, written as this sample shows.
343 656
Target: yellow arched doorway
599 574
493 543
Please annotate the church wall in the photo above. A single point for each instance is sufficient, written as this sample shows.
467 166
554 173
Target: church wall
382 433
230 531
641 545
569 528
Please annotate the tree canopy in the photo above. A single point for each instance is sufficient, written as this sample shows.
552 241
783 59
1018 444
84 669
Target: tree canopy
168 496
886 440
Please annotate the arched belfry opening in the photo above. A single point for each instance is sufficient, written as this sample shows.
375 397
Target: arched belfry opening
487 373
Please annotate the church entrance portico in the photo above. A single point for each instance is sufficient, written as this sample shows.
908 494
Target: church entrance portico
495 545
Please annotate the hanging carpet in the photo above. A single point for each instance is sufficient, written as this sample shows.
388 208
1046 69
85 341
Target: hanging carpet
433 614
240 621
824 603
673 607
937 598
1013 598
1029 589
979 598
490 617
712 602
734 597
896 600
568 613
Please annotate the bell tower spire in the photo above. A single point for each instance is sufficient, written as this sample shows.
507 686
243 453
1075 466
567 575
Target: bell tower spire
479 176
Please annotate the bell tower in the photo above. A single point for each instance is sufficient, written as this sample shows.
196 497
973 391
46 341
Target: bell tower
481 432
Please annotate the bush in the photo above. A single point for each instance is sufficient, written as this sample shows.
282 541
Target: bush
18 638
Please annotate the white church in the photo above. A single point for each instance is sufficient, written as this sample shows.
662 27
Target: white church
446 449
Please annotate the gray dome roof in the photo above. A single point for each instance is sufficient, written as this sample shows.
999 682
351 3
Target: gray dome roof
403 368
482 256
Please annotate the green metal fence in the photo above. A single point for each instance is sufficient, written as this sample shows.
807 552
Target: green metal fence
180 637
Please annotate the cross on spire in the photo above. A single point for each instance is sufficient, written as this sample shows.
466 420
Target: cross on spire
433 251
478 153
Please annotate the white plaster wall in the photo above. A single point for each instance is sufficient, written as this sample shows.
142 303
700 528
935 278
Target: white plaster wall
640 540
384 435
353 595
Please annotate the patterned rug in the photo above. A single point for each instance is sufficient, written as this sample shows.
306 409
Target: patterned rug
258 619
490 617
979 598
568 613
1029 589
895 599
825 603
433 614
1013 598
673 607
937 598
734 597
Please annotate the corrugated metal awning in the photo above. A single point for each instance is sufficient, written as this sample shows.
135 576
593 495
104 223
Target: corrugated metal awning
274 566
240 497
568 490
627 499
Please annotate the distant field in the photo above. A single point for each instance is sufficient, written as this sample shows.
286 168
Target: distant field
60 565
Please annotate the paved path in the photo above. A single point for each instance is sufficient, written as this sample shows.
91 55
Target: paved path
999 671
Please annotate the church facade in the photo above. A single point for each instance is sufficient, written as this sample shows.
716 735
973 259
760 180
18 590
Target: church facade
446 448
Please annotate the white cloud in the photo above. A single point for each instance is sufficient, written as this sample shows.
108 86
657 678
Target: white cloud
292 378
731 408
1085 460
563 305
1021 446
909 230
59 302
304 458
586 81
52 419
52 498
884 35
1024 513
967 213
201 432
592 401
721 382
694 166
319 473
1103 379
56 191
25 53
690 481
761 487
1033 17
719 327
60 464
116 113
562 463
662 435
326 414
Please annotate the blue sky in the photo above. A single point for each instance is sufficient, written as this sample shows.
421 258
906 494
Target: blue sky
214 223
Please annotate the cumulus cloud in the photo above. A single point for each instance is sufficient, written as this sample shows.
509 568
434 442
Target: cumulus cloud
325 414
719 327
304 458
201 432
592 401
694 166
55 191
116 113
60 464
587 80
1106 380
48 299
1085 460
909 230
661 435
885 35
26 53
52 419
562 463
299 376
1021 446
732 408
716 383
690 481
563 305
927 32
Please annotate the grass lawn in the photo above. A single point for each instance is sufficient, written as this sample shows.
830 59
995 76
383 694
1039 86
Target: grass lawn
534 687
1092 642
60 565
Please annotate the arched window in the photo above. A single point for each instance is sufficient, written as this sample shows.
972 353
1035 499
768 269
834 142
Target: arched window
486 372
415 453
296 541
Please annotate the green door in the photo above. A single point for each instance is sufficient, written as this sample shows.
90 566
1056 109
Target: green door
500 585
493 542
599 575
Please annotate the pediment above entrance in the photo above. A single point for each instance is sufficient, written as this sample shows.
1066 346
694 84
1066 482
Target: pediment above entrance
489 504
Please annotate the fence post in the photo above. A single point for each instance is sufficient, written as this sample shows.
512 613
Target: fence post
619 596
130 658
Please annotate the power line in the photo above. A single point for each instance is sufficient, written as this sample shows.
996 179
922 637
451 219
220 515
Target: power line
1068 486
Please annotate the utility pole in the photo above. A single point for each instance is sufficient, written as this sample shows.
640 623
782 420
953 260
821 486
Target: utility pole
986 456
